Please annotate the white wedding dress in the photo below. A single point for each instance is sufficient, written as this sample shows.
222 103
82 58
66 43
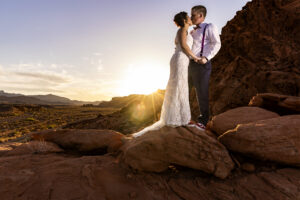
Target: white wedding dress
176 108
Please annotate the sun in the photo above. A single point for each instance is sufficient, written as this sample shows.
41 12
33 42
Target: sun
144 78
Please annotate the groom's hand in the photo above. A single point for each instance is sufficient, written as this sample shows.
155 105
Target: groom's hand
202 60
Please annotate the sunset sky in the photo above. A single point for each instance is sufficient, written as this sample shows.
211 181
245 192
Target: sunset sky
93 49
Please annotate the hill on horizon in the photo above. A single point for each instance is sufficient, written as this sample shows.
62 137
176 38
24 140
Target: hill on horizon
41 99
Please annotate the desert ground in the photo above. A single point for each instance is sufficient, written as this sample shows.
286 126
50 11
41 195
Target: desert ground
16 120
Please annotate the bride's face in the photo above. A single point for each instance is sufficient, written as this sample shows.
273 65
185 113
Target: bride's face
189 21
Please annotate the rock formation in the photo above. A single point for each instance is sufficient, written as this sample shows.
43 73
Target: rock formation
242 115
260 53
281 104
185 146
275 139
42 169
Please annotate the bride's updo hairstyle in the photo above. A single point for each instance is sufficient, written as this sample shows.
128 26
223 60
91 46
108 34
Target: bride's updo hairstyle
179 18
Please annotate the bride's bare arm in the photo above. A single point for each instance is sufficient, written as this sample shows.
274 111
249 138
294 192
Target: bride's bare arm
185 48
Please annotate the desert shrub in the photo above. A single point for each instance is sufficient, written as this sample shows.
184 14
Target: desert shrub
31 119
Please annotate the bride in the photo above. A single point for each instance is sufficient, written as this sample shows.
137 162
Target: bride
176 108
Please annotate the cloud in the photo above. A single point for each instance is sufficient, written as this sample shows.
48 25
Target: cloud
89 83
34 77
49 76
95 61
33 90
97 54
29 82
100 65
38 71
1 71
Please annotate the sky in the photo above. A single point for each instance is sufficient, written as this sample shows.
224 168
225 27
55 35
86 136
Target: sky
93 50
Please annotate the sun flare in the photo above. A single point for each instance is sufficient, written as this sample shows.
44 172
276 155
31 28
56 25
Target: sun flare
144 78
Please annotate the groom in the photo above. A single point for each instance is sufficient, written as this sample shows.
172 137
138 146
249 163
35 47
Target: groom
206 44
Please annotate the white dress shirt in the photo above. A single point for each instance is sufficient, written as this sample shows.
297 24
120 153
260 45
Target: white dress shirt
212 42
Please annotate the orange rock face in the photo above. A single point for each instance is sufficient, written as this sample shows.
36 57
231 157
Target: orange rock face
186 146
242 115
260 53
281 104
276 139
82 140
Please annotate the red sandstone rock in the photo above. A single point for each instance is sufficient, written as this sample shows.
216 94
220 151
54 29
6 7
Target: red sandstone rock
281 104
154 151
35 147
276 139
82 140
242 115
259 54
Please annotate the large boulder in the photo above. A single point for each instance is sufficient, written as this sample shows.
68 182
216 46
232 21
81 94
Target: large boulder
34 147
242 115
155 150
81 140
281 104
276 139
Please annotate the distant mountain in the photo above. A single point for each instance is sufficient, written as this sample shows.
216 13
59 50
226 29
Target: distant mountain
22 100
2 93
41 99
52 98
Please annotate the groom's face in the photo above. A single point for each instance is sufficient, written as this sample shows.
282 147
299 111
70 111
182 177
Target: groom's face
197 18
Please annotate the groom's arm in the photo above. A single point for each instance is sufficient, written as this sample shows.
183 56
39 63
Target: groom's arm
215 41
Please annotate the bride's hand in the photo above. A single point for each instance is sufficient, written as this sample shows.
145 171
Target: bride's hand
197 59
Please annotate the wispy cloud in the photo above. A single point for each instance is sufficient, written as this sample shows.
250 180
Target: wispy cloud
95 60
97 54
61 79
46 75
1 70
31 90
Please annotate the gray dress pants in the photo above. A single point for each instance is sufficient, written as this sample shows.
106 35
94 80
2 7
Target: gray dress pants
198 76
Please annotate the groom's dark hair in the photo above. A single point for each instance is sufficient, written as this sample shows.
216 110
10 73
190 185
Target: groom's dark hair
200 9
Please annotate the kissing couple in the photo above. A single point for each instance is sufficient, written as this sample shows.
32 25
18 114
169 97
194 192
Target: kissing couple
190 66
